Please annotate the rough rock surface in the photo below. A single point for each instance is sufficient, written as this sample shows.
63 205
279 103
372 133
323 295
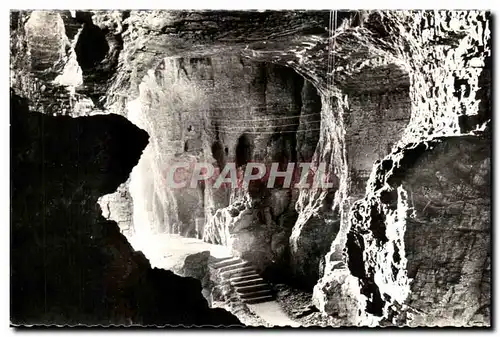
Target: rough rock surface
420 240
382 83
450 190
196 265
376 260
298 306
201 110
68 264
118 207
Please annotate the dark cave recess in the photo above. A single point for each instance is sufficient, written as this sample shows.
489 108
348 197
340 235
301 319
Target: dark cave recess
69 265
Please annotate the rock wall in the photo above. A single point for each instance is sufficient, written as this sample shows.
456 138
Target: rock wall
50 61
363 126
385 84
449 190
201 110
213 110
119 207
374 271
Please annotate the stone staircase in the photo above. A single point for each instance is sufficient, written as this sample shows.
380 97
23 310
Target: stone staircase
246 282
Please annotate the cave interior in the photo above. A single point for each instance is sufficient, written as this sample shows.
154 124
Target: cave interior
202 98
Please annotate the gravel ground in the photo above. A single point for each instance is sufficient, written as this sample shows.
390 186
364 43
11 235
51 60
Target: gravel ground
241 311
298 306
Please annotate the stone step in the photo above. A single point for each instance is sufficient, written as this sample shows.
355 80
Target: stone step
242 278
221 259
249 289
256 294
225 262
246 273
237 272
262 299
249 282
235 266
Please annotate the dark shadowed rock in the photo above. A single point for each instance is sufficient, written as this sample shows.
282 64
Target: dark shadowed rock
196 265
68 264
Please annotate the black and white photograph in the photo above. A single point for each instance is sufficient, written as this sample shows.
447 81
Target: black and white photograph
251 169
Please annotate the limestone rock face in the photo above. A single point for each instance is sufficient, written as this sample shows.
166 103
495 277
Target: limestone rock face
399 237
52 63
118 206
307 250
441 199
246 233
339 297
449 190
196 265
375 121
374 232
221 110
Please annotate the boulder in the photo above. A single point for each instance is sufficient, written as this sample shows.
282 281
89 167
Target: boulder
196 265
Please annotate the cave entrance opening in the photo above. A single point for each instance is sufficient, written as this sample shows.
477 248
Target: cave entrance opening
227 110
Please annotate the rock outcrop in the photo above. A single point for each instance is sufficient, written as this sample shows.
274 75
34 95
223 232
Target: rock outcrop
380 235
70 266
368 95
118 207
449 191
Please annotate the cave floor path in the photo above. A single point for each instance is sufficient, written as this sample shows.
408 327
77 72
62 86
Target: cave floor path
272 313
168 251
